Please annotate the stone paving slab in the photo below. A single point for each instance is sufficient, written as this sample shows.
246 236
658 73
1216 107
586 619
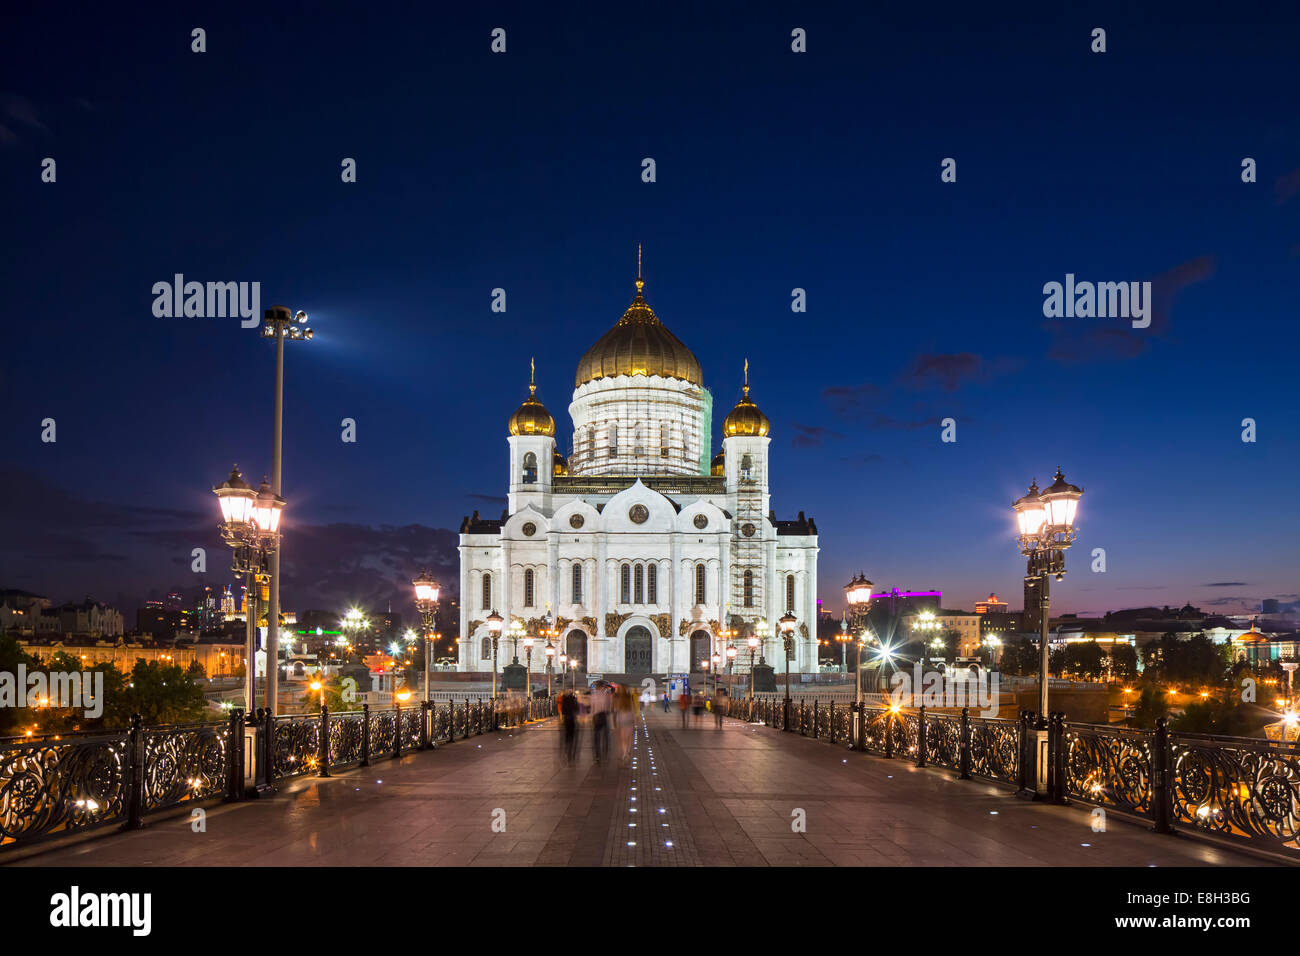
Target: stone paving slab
728 797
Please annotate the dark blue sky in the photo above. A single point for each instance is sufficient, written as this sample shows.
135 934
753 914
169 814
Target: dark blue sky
775 171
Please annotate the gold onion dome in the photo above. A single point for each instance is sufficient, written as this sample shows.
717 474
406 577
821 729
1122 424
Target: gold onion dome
745 418
559 465
639 345
532 418
718 467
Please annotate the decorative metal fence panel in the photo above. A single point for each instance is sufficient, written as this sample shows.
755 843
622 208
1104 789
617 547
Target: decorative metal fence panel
995 749
383 730
296 748
1111 767
61 784
1238 788
184 763
943 740
346 738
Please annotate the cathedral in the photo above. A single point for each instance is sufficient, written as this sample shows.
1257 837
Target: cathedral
642 552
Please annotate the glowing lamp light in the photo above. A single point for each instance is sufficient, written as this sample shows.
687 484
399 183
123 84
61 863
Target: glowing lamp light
266 510
494 622
236 498
1060 502
426 589
1030 513
403 695
858 591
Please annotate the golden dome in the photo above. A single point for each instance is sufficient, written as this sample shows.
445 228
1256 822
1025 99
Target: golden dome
745 418
639 345
719 465
559 465
532 418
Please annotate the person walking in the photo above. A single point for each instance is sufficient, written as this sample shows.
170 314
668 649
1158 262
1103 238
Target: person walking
569 708
624 707
601 705
684 705
720 707
697 706
667 702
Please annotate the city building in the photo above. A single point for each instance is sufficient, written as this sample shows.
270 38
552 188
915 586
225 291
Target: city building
991 605
89 618
965 623
642 545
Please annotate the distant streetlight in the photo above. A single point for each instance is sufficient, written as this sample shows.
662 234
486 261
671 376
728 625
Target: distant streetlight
787 622
857 600
528 642
1045 523
550 658
426 603
752 641
494 622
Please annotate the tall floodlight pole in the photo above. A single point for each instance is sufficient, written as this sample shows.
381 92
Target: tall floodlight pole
280 324
426 603
1045 529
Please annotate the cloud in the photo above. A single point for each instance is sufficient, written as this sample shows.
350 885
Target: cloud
17 111
1287 186
812 436
1083 341
865 458
1225 584
951 371
850 401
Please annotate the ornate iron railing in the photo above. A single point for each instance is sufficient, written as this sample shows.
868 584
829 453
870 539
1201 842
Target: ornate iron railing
57 785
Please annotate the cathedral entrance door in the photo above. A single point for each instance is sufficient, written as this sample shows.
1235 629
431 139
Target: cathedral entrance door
636 651
575 645
700 642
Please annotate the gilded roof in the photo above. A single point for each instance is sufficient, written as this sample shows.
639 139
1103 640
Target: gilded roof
639 344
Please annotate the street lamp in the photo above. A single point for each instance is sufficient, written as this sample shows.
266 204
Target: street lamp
857 599
494 621
787 623
320 686
529 641
1045 524
752 641
731 666
564 671
279 324
426 603
550 657
236 498
716 660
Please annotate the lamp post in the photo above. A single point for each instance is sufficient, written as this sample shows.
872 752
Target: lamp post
752 641
926 623
550 658
250 525
528 670
716 659
426 603
280 324
731 667
494 621
857 597
564 672
1045 529
787 623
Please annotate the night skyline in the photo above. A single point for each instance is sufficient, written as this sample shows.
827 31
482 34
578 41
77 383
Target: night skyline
775 171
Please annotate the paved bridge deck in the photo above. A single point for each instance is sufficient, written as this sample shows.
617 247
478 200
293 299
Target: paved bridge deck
702 797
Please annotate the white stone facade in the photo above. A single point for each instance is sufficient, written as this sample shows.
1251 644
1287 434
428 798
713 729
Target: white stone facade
641 556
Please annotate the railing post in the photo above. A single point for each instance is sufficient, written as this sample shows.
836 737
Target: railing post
235 758
365 735
136 769
268 747
1026 766
832 721
323 744
425 730
815 728
1162 789
963 745
889 732
1056 747
397 729
920 738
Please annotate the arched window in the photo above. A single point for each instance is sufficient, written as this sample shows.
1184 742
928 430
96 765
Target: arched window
530 468
746 468
627 584
577 584
637 591
528 587
789 593
652 584
486 652
487 591
700 593
749 589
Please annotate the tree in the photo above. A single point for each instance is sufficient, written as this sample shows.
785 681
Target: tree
1019 656
338 697
11 655
1151 704
1084 659
1225 718
1123 662
159 693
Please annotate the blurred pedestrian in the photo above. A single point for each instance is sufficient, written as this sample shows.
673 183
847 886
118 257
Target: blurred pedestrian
601 706
697 706
720 707
667 702
684 705
624 706
569 708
